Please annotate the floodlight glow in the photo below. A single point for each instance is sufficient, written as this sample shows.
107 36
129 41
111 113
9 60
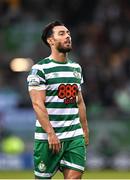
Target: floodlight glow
21 64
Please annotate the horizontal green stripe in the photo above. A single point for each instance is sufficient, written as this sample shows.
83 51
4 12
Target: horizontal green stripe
61 69
38 72
60 129
51 92
68 128
44 61
63 80
63 117
41 74
60 105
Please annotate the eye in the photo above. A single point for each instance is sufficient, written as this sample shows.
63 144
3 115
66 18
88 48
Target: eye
61 33
69 33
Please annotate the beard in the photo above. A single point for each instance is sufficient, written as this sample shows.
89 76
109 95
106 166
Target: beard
63 49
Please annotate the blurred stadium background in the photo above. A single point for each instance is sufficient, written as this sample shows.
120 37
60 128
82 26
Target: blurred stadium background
101 44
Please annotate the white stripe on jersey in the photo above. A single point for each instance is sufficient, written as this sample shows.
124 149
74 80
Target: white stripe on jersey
61 74
61 123
62 111
38 67
41 79
53 99
63 135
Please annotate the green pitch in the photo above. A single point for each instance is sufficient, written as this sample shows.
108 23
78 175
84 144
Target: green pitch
106 174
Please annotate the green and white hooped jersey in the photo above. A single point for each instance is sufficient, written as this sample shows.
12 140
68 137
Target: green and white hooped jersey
61 81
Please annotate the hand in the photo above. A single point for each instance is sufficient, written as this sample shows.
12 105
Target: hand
54 142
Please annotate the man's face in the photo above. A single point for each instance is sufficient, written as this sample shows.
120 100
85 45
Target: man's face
61 39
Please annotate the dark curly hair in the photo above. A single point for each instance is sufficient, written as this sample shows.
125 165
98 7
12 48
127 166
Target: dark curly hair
48 30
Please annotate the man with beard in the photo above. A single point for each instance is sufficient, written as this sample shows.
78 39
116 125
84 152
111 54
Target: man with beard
61 127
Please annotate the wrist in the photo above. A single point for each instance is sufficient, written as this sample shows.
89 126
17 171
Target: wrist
50 131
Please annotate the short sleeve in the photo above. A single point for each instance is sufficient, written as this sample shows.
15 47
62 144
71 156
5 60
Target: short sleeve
36 78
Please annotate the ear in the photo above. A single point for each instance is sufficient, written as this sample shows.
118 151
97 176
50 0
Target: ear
50 41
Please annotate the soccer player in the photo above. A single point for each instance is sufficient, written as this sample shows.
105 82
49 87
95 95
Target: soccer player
61 127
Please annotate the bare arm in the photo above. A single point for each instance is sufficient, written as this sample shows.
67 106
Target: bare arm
38 100
83 117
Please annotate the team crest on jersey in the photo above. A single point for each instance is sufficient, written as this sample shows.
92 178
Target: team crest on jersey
76 74
41 166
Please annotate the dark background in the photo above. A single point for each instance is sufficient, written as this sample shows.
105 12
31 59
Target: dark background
100 32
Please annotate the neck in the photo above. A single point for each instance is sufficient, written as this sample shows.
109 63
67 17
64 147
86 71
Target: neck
58 56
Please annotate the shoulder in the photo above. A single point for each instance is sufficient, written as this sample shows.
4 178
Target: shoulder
43 61
41 64
74 63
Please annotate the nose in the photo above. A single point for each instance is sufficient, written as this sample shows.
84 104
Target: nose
68 36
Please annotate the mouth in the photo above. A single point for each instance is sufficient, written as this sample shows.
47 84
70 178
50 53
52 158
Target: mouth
68 42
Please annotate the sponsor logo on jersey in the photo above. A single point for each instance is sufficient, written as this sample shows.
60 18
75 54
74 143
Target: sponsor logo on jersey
68 92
